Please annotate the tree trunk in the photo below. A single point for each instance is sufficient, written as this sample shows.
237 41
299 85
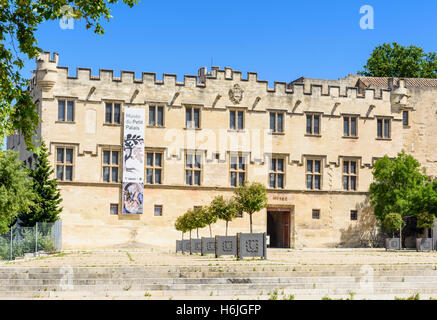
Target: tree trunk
210 232
182 242
400 237
190 241
250 216
197 230
226 228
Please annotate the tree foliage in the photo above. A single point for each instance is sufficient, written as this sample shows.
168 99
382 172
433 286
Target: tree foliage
224 209
48 197
19 21
394 60
397 186
251 198
209 218
393 221
425 220
16 194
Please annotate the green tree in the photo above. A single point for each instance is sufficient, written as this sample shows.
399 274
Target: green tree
209 218
425 220
393 221
48 197
251 198
396 185
394 60
19 21
224 209
197 216
189 221
16 194
180 225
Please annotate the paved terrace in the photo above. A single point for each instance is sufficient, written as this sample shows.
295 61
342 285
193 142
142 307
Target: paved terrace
304 257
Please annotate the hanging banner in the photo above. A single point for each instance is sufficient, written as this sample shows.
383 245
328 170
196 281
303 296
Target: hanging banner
133 160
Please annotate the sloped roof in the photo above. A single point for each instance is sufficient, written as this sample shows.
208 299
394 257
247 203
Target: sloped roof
409 82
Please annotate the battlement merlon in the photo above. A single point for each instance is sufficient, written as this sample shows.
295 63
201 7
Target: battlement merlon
48 71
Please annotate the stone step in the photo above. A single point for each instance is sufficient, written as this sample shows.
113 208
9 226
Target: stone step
230 281
226 268
222 294
197 275
418 286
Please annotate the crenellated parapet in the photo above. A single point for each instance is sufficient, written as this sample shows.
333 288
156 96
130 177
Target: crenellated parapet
48 73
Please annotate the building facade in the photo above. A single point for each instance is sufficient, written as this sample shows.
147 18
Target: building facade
311 142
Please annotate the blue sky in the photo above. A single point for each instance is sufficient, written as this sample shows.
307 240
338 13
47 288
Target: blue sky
281 40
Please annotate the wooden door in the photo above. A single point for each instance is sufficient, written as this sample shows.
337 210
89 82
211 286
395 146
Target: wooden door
286 229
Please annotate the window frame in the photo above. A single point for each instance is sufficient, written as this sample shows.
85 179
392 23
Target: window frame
353 215
313 174
349 122
192 122
110 209
313 115
155 120
349 174
317 217
383 128
236 122
64 164
154 167
193 167
154 210
275 114
113 104
276 172
66 101
237 170
406 112
111 165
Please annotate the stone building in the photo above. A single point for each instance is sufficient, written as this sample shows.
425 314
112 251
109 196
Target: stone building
312 142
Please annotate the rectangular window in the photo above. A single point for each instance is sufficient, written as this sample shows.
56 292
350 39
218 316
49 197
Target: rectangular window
313 124
192 117
113 208
314 174
276 173
157 210
236 120
238 169
156 116
64 164
316 214
154 167
193 169
350 126
383 128
350 175
354 215
405 118
110 165
276 122
66 110
112 113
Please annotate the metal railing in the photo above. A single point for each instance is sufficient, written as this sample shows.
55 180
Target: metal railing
19 241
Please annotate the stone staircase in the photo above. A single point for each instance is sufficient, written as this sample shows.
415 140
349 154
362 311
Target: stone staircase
242 281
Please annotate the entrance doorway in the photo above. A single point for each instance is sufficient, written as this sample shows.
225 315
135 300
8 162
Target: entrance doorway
278 228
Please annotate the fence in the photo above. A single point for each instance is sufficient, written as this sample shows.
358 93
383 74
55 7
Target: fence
44 237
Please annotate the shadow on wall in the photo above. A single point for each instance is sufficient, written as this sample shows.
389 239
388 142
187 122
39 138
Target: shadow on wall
365 232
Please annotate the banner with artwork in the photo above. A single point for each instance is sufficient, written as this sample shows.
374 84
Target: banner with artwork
133 160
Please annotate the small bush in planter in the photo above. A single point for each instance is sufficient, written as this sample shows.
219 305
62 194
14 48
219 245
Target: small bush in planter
425 220
393 221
